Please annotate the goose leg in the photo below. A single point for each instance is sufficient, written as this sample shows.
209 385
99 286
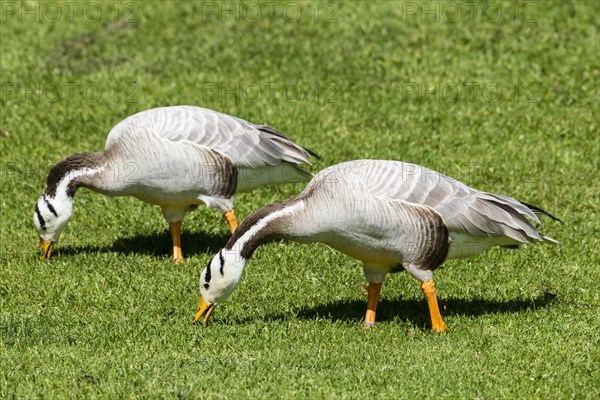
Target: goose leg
175 229
231 220
374 290
437 324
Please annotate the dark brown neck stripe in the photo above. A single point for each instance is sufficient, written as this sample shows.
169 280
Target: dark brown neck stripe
260 237
270 232
68 165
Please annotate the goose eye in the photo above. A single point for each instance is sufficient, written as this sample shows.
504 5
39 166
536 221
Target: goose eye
206 286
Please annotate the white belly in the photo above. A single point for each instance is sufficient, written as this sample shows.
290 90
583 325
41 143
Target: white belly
463 245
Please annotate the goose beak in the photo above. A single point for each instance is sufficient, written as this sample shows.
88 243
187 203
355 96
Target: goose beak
45 249
203 307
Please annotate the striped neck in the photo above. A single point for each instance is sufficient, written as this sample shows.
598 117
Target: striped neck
66 176
268 223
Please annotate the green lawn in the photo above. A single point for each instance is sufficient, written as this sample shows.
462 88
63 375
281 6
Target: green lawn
503 96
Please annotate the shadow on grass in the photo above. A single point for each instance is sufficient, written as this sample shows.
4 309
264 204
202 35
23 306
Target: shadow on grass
414 311
155 244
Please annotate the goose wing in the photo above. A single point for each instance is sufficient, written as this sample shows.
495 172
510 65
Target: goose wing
246 144
463 209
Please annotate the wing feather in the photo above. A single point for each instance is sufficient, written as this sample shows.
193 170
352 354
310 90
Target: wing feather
463 209
246 144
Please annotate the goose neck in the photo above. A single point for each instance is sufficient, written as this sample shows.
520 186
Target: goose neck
74 171
268 223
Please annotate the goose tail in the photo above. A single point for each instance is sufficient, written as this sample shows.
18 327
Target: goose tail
292 152
518 220
539 211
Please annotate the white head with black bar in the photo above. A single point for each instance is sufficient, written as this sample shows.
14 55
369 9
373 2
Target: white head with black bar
219 280
54 208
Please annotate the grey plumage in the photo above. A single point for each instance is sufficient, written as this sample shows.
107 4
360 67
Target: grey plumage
371 197
245 143
390 215
464 209
177 157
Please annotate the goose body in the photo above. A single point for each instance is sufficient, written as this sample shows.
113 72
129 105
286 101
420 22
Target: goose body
175 157
391 215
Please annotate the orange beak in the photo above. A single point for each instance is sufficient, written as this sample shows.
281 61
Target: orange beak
203 307
45 249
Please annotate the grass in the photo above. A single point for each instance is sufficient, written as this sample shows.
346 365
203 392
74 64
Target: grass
504 99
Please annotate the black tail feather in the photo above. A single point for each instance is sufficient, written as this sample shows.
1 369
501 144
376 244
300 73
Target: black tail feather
275 132
538 210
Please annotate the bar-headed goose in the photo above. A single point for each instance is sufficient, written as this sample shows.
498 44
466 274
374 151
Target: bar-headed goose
174 157
391 215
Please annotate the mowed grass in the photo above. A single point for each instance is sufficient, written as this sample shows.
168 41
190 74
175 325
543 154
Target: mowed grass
504 99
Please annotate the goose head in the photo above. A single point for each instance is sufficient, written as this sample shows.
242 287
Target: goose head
218 280
50 217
